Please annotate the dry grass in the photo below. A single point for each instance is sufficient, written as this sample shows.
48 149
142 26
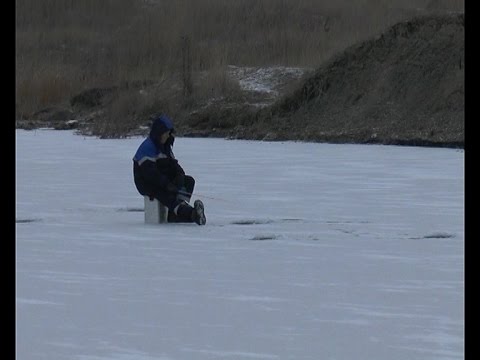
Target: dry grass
65 46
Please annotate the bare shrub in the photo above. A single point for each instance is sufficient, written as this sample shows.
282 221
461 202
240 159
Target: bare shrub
104 43
46 87
120 115
216 83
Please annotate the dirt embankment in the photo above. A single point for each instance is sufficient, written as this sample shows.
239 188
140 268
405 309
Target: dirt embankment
403 87
406 86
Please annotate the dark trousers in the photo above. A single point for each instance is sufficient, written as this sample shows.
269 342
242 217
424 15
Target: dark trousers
172 200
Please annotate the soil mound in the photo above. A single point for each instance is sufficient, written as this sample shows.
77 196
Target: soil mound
403 87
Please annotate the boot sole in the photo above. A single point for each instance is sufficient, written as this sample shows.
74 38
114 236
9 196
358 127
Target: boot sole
200 219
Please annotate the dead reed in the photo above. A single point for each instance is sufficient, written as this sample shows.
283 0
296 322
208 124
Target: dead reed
65 46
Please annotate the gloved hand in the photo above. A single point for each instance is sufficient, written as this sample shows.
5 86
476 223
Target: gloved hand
179 181
172 187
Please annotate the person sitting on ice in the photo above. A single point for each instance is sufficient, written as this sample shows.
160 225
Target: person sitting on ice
158 174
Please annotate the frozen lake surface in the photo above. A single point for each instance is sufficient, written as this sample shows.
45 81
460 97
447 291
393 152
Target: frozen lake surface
311 251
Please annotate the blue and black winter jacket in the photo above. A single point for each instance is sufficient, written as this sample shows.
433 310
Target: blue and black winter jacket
154 164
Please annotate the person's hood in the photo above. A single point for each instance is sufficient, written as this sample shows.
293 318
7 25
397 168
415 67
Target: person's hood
161 124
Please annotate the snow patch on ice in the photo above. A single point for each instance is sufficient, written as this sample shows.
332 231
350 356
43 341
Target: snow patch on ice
132 209
23 301
439 235
25 221
252 222
123 356
264 237
233 354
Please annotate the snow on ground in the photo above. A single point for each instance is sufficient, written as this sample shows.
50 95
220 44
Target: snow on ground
265 79
311 251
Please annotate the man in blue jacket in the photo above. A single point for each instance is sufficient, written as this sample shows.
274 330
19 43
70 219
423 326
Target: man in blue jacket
158 174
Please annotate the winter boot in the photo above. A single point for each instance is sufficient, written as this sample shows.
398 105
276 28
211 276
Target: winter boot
198 213
186 213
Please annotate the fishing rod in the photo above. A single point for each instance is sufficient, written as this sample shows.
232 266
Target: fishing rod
187 194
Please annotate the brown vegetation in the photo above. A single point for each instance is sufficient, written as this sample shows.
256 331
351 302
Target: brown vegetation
65 46
172 56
